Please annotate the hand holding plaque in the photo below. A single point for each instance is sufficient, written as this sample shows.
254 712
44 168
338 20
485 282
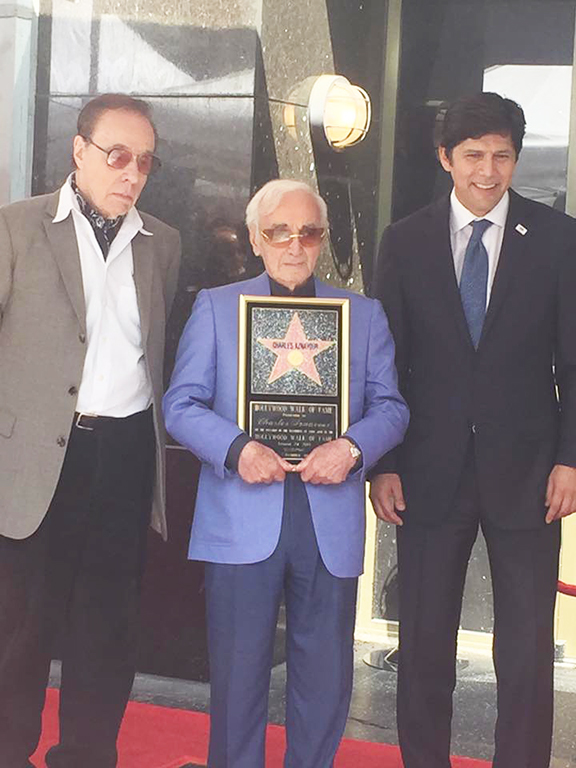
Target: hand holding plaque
258 463
327 464
293 374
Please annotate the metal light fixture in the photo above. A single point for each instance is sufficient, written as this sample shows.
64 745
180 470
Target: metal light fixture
337 112
327 114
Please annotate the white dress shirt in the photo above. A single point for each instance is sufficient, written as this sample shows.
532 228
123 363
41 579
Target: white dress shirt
461 229
115 381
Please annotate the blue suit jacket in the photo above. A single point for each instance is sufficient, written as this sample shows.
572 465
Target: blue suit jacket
238 522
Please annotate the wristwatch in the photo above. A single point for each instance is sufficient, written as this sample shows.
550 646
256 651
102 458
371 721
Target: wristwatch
355 452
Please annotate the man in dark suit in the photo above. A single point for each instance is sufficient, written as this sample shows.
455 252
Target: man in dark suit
479 289
86 283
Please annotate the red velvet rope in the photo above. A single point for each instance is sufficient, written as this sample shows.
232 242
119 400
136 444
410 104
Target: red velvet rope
567 589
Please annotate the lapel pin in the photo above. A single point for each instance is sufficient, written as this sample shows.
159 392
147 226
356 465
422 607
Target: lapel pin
521 228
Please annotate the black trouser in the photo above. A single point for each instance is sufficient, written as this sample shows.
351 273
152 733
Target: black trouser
432 568
78 576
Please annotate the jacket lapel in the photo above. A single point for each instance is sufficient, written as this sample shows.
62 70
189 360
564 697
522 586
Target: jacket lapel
511 253
143 258
64 247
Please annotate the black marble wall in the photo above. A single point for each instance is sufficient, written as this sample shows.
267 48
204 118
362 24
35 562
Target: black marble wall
218 74
195 63
301 40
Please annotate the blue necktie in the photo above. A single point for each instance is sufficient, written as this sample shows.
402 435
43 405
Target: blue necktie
474 280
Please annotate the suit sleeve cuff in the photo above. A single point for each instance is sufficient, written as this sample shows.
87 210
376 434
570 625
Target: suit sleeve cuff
233 455
385 465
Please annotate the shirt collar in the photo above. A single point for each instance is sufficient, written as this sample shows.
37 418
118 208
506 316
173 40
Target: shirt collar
67 202
461 217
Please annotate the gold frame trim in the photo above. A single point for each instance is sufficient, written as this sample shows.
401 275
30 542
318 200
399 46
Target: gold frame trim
344 303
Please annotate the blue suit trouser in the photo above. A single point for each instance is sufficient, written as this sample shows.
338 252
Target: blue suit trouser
242 610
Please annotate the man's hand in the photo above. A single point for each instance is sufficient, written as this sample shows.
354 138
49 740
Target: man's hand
561 492
328 463
259 464
387 496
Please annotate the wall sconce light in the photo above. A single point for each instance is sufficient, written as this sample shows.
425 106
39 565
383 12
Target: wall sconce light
338 112
325 115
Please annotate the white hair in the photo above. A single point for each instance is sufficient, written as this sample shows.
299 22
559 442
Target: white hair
268 198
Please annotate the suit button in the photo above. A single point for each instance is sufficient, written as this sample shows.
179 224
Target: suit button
61 441
473 428
82 337
73 390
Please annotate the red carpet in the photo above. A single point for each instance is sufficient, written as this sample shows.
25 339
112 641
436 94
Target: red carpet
160 737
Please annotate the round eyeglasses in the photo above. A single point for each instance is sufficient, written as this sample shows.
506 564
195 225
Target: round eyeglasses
280 237
119 157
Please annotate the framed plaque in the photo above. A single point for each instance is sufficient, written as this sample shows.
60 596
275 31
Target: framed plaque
293 371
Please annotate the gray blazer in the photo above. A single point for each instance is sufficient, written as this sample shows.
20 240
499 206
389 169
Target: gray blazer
43 346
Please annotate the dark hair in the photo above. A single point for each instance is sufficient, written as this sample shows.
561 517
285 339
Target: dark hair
95 108
471 117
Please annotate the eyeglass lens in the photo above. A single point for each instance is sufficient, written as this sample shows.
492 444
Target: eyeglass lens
119 158
308 236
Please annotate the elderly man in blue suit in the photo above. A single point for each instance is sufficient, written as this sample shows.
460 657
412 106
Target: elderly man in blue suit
267 528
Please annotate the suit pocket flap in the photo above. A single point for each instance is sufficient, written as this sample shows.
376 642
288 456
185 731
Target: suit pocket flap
7 421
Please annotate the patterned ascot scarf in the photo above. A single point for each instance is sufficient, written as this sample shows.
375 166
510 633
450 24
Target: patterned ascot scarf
104 229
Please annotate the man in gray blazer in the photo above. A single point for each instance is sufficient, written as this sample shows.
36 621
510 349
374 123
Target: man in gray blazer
86 284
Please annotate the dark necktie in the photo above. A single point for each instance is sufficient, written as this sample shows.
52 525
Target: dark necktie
474 280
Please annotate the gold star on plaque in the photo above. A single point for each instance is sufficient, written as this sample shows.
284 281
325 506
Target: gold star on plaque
295 352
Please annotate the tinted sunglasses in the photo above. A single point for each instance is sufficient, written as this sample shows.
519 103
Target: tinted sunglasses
119 157
280 237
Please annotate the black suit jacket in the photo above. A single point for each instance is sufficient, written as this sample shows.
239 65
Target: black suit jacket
516 392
